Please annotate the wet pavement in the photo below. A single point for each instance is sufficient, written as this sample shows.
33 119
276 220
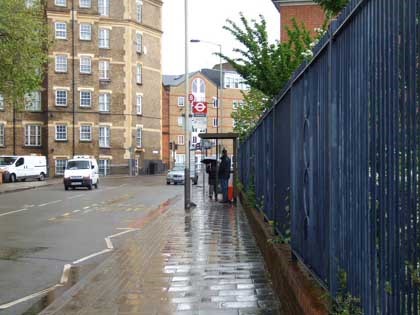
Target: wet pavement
201 262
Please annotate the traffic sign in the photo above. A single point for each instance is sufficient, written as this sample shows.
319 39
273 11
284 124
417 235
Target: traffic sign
200 108
191 97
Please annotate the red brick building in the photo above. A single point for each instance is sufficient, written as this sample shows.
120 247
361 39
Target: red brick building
304 11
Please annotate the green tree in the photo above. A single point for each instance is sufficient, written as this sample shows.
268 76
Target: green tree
265 67
332 7
23 48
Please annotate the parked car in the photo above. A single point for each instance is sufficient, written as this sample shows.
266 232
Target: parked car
21 167
176 175
81 171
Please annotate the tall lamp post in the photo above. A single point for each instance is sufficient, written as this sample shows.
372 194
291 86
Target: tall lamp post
219 95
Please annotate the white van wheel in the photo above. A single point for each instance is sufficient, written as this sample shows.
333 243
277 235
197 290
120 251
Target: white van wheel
97 183
12 178
41 177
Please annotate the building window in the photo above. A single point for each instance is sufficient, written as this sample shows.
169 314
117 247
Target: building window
139 74
215 122
60 3
2 135
85 31
235 104
85 3
104 102
33 135
181 139
103 6
85 133
139 137
194 140
139 15
104 137
61 133
103 70
59 167
85 64
104 167
181 101
139 104
61 63
85 98
199 89
215 102
1 102
180 158
139 42
60 98
104 38
180 121
60 30
33 102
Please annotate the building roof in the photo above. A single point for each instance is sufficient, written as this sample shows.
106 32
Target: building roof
212 74
175 80
279 3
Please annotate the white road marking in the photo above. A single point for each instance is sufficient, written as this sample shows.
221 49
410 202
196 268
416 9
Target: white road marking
66 214
12 212
91 256
75 211
29 297
76 196
87 207
50 203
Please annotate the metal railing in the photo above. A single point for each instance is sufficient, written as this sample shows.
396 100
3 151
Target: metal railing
335 163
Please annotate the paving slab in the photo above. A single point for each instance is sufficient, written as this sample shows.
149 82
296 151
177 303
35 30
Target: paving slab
201 261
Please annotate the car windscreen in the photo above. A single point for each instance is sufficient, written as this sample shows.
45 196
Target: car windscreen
178 169
7 160
77 165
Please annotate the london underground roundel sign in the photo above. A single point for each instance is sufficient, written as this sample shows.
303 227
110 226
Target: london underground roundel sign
200 108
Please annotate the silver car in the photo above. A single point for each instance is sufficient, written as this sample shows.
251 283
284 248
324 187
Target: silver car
176 176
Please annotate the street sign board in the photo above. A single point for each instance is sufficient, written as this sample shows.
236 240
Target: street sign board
199 108
191 97
199 122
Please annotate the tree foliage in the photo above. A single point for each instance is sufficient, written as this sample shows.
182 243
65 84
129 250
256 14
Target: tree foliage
332 6
265 67
23 48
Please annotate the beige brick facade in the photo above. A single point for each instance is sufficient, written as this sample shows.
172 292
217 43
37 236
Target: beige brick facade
231 98
113 48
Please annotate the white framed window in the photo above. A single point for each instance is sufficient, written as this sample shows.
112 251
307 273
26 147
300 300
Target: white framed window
85 31
60 3
61 63
85 133
139 137
181 101
33 101
104 35
139 104
215 102
61 98
85 98
104 70
235 104
33 135
139 42
60 30
103 7
199 89
180 140
1 102
104 102
104 167
215 122
59 166
180 121
61 132
194 140
85 3
139 13
85 64
2 136
139 74
180 158
104 137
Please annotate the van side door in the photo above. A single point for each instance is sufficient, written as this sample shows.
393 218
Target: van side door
20 170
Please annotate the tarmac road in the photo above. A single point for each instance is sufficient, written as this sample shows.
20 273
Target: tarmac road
43 229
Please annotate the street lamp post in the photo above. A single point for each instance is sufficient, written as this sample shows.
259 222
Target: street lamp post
219 96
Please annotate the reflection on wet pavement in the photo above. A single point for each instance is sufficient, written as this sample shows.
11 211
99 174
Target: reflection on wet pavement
204 261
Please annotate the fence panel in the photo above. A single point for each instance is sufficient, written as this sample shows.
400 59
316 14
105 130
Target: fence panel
345 137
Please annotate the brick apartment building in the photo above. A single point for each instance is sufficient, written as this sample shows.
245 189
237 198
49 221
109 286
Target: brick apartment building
204 86
102 92
308 12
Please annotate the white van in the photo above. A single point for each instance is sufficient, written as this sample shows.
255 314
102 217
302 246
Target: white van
81 171
21 167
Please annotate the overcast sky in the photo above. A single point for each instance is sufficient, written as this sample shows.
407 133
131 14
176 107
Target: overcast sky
206 19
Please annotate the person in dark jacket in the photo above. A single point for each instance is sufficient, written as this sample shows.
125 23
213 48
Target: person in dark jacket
211 169
224 174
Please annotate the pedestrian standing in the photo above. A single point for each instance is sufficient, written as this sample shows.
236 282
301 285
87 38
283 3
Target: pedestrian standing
224 174
211 169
